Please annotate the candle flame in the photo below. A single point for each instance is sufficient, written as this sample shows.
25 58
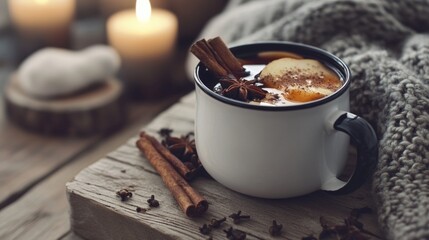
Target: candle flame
143 10
42 2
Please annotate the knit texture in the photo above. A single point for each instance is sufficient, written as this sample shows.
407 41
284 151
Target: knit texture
386 45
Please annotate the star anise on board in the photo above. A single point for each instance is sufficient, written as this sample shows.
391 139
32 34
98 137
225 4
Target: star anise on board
182 147
241 89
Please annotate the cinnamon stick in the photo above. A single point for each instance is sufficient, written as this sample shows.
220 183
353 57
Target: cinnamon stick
189 200
173 160
202 51
218 57
225 56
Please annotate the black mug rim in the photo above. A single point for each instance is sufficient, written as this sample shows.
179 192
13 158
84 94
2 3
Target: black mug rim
298 48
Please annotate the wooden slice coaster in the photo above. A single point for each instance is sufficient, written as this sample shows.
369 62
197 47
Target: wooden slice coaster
97 110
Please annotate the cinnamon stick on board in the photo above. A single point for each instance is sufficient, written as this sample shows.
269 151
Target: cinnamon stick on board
189 200
181 168
218 58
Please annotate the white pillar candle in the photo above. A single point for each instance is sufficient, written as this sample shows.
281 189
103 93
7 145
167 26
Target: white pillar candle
41 15
41 23
145 39
143 33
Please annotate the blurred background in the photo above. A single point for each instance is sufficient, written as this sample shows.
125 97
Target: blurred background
88 26
150 38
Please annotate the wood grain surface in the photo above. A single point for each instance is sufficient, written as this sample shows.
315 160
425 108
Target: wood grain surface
97 213
42 212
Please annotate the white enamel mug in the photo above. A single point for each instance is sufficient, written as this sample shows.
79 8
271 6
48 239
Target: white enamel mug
287 151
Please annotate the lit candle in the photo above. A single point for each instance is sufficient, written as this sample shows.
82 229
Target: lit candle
42 23
143 33
145 40
108 7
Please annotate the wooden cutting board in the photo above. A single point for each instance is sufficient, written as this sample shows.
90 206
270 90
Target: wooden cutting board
96 212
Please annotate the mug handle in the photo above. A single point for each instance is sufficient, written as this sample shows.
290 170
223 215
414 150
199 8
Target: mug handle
363 136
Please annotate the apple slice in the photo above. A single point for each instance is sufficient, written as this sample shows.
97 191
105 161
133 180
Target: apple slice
301 80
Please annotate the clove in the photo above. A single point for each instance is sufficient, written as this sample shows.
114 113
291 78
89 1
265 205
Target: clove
235 234
140 209
275 229
205 229
215 223
153 202
237 217
124 194
165 132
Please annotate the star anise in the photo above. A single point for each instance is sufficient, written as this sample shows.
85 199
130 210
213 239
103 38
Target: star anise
183 147
241 89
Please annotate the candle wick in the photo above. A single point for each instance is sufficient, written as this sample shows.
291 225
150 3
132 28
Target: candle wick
143 10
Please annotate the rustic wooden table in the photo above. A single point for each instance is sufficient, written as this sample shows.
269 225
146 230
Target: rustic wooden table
35 169
97 213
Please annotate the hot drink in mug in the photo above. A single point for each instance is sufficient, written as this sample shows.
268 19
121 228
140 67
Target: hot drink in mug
281 127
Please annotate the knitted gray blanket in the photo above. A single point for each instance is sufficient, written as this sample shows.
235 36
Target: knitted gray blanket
386 45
